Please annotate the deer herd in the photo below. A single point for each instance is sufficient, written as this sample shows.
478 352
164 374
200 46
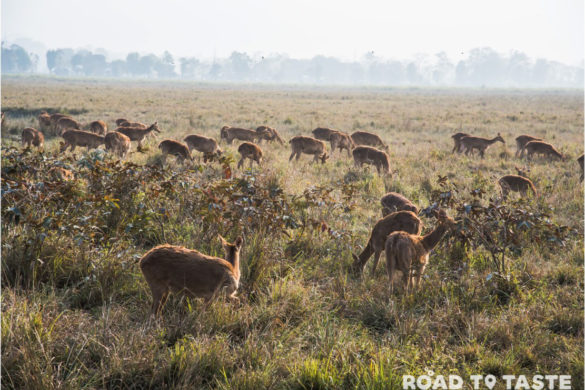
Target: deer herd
168 268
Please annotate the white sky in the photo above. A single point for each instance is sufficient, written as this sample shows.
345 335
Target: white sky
552 29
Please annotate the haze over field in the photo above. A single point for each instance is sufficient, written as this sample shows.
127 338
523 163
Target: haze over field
522 43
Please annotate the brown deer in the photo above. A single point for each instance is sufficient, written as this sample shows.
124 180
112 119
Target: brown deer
208 146
251 151
168 268
269 134
516 183
323 133
342 141
368 139
32 137
409 252
44 120
457 141
521 142
175 148
55 118
541 147
401 220
117 143
230 133
60 174
470 143
138 125
394 201
99 127
580 161
138 134
308 145
119 121
66 123
368 155
75 138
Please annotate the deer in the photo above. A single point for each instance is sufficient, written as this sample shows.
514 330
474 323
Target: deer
308 145
230 133
365 138
368 155
138 134
208 146
117 143
398 221
342 141
323 133
393 201
120 121
99 127
516 183
75 138
55 118
60 174
269 134
470 143
521 142
457 141
44 120
169 268
580 161
251 151
138 125
32 137
175 148
67 123
409 252
541 147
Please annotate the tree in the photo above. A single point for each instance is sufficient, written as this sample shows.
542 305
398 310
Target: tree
15 60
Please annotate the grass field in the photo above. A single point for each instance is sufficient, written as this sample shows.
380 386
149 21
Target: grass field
75 306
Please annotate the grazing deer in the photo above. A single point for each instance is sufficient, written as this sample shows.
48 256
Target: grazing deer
580 161
521 142
516 183
66 123
60 174
457 141
119 121
76 138
541 147
323 133
251 151
401 220
208 146
368 155
269 134
44 120
169 268
393 201
409 253
55 118
117 143
138 134
32 137
368 139
175 148
230 133
99 127
481 144
342 141
308 145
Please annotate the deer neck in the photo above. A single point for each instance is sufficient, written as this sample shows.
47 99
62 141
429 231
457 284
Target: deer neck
430 240
493 140
234 259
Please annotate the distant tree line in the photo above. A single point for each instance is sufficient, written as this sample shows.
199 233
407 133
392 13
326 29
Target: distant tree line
482 67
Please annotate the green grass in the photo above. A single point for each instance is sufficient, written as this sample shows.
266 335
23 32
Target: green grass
75 306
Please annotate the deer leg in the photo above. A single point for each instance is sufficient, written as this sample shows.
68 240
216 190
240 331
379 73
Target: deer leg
291 156
390 265
241 162
376 259
159 297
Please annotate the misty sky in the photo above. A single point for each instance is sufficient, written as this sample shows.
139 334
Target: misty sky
303 28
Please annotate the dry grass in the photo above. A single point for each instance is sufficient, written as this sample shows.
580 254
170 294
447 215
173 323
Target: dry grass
305 323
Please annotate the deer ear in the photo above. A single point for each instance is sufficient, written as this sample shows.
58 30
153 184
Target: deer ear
239 242
222 240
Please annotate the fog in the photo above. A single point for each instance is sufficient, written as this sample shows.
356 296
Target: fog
523 43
